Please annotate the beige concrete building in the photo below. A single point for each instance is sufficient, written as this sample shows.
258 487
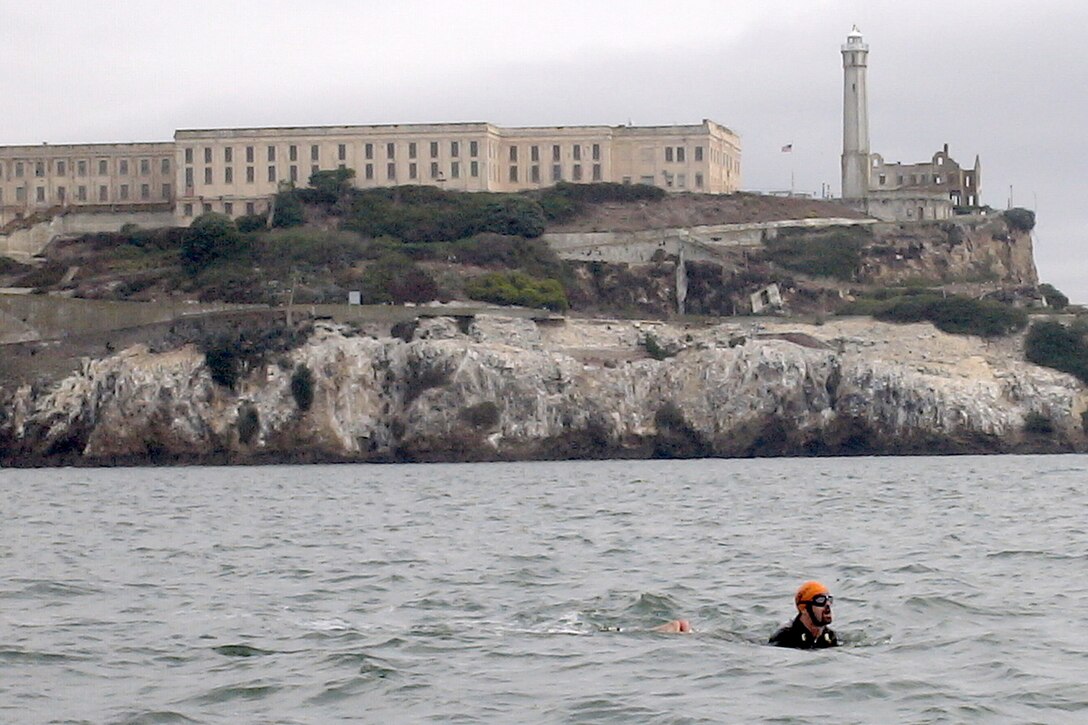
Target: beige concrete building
107 176
236 171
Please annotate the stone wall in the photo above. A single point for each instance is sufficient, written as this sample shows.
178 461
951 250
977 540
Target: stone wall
22 244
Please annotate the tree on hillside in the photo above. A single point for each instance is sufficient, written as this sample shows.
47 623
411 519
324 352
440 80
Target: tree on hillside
210 237
329 186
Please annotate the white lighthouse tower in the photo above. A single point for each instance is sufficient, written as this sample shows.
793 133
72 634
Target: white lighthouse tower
855 117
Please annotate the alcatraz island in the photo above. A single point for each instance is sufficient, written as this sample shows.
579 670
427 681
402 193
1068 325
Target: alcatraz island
438 292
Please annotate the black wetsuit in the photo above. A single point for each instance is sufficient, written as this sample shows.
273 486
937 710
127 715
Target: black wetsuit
796 635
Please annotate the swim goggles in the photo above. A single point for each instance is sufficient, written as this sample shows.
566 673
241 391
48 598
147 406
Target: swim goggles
821 600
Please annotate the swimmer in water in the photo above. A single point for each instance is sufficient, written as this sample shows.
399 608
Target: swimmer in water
809 628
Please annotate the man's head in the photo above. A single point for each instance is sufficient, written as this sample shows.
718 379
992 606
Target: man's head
813 602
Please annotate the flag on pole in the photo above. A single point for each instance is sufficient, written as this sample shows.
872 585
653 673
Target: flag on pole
787 148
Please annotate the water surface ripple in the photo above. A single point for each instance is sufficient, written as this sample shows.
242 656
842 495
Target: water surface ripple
516 592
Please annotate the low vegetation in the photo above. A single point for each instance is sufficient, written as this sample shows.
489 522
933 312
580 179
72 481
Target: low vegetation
518 288
1057 346
952 314
834 253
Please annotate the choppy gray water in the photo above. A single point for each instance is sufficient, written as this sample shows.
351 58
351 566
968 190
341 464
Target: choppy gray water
486 593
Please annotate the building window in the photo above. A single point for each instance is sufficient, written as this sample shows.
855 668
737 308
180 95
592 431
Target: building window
41 193
596 172
434 149
207 175
61 168
249 154
122 167
514 154
883 179
206 208
681 181
81 193
19 168
188 155
596 152
251 208
391 171
314 169
207 154
61 194
455 148
341 152
577 152
166 166
292 153
145 167
369 169
228 208
251 175
474 168
103 168
698 177
145 191
577 175
314 153
271 174
124 192
455 170
937 179
555 153
81 168
434 169
557 172
647 180
627 181
294 173
271 153
668 154
20 193
390 151
534 174
228 155
369 150
513 173
413 171
412 151
103 193
166 191
473 149
39 169
228 175
534 154
189 178
188 209
680 154
698 154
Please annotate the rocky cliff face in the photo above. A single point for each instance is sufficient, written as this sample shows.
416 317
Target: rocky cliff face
500 388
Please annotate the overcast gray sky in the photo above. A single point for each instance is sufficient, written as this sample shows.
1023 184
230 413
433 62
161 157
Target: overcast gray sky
1003 79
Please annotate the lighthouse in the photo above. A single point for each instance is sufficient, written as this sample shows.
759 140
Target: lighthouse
855 117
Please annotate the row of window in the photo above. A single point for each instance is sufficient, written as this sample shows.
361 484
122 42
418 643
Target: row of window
227 207
271 151
914 179
59 195
62 167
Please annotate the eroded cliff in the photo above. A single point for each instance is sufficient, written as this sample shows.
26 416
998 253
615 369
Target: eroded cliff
503 388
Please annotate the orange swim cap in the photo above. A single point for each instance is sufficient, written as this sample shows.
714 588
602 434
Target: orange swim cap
808 590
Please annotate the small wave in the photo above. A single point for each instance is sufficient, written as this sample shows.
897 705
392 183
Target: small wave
241 650
237 692
154 717
24 657
47 588
328 625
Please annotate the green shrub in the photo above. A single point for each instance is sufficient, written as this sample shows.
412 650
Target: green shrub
955 315
1053 345
481 416
566 200
46 275
210 237
1020 219
10 266
302 387
223 363
517 288
1036 423
654 348
834 253
251 223
327 187
249 423
1053 297
396 279
287 210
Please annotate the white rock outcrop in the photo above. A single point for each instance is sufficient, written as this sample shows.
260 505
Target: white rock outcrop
508 388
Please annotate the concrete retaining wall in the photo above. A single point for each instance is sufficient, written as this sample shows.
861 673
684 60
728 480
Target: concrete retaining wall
23 244
700 243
